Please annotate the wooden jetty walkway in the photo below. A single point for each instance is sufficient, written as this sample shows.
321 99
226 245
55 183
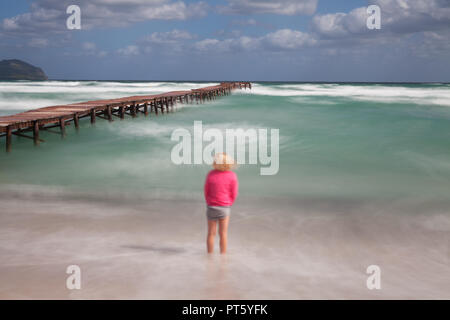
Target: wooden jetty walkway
44 119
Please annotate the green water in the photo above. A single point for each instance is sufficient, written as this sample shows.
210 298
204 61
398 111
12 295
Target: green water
372 141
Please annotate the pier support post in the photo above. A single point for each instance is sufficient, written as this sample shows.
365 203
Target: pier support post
155 106
8 139
133 110
109 113
93 116
166 102
146 109
122 112
75 121
36 133
62 124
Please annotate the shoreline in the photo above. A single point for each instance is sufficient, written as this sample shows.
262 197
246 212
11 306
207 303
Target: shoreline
125 251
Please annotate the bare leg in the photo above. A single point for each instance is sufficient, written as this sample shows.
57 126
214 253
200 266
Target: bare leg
212 229
223 232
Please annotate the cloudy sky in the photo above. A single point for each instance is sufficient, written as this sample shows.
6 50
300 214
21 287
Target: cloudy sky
294 40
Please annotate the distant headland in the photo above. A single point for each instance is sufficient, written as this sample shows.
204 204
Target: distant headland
19 70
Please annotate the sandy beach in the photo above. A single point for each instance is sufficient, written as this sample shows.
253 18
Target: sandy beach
154 249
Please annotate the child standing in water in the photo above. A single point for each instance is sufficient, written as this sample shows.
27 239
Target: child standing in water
221 189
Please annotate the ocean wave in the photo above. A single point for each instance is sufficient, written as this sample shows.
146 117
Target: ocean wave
435 95
20 105
96 86
22 96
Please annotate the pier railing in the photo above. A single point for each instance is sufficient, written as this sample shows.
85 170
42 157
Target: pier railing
47 118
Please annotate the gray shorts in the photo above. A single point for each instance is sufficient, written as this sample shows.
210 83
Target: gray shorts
217 213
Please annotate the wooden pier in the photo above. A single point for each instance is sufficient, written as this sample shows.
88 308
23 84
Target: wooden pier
48 118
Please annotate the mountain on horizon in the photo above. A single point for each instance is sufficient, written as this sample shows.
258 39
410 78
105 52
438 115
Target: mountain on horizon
19 70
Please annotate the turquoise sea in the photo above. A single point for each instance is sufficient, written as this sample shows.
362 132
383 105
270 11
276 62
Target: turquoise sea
336 140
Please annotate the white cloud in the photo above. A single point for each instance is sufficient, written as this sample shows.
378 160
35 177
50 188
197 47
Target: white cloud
282 7
131 50
171 42
168 37
207 44
50 15
281 40
37 21
89 46
415 27
341 24
90 49
38 42
244 22
288 39
10 24
397 17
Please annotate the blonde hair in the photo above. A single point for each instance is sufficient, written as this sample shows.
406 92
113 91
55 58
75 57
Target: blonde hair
223 162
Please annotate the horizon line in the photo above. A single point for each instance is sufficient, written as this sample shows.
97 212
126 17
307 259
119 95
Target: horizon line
254 81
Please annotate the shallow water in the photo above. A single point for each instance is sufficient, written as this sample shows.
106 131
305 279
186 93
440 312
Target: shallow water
364 179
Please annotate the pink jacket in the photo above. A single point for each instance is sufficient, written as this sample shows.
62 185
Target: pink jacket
221 188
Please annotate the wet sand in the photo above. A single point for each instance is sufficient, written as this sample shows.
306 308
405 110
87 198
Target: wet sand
278 249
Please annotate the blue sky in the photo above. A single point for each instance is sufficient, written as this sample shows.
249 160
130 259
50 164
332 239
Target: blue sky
291 40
